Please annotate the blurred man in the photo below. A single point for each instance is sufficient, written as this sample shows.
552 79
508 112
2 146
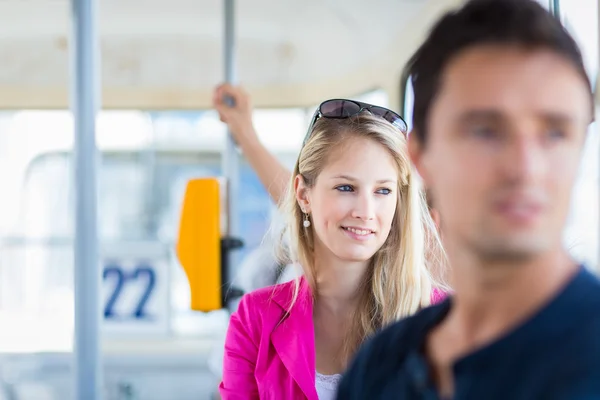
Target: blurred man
502 106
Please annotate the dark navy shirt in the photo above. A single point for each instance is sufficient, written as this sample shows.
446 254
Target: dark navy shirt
554 355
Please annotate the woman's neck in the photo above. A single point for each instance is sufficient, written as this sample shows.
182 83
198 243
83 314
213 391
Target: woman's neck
338 283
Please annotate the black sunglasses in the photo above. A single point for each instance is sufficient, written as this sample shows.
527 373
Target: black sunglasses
343 108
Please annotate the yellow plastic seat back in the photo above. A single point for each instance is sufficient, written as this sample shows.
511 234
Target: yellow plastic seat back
199 243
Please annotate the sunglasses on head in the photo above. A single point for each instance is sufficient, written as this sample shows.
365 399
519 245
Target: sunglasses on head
343 108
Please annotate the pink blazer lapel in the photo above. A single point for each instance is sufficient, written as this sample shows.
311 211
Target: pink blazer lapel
294 337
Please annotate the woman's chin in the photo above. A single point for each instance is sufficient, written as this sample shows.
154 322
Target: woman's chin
356 256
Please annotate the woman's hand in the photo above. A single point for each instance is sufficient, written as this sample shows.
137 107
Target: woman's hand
235 109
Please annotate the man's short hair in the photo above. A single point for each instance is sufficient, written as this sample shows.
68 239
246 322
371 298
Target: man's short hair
523 23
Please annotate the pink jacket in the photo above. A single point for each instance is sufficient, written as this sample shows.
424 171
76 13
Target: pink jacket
269 355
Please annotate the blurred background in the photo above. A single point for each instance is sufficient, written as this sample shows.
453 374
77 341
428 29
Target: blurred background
160 62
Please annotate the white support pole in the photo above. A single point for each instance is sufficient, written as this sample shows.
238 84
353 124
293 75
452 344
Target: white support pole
230 161
84 103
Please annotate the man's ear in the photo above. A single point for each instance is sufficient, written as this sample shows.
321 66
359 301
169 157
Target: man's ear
416 149
302 193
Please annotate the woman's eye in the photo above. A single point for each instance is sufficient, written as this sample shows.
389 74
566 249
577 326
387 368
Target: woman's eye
344 188
348 188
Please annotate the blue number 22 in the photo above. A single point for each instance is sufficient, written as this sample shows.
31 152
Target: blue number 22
121 278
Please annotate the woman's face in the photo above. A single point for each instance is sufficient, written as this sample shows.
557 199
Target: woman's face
353 201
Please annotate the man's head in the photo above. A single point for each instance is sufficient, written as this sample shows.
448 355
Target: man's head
502 104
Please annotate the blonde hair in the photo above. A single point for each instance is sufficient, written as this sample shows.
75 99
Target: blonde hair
403 272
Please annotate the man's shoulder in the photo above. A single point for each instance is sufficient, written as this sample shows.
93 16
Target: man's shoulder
584 340
575 373
408 332
589 278
383 354
585 304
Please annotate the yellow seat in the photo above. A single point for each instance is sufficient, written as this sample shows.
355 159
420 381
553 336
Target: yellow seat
199 243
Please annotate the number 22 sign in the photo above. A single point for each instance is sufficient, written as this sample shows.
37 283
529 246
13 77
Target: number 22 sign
122 279
136 296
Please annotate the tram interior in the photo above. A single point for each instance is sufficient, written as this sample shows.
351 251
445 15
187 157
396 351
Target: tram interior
156 130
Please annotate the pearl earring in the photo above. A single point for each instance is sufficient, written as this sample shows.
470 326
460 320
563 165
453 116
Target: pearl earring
306 222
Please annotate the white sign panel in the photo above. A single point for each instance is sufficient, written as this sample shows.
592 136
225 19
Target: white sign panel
135 289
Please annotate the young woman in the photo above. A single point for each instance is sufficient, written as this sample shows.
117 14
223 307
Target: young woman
359 228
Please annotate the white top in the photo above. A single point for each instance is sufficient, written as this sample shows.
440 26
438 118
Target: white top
327 385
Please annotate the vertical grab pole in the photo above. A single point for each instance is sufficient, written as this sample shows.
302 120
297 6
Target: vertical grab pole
84 102
230 162
556 9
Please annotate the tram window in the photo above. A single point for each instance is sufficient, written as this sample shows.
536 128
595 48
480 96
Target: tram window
545 3
141 187
9 181
580 17
408 101
281 129
378 97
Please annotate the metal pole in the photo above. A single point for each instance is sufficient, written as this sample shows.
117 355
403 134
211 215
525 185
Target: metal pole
555 9
230 162
84 102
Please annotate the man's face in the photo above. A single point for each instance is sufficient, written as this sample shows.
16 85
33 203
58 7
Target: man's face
505 135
